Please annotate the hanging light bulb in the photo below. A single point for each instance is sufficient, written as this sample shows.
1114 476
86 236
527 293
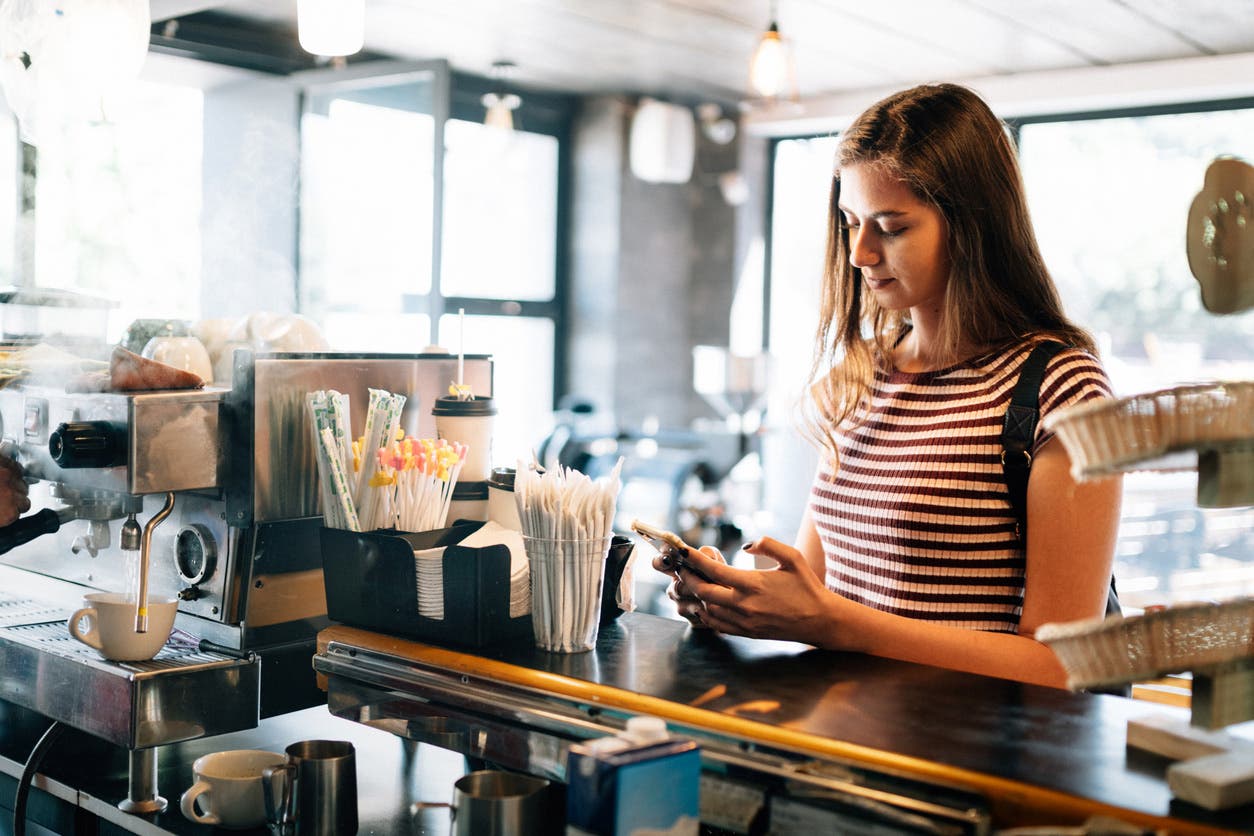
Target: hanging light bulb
770 68
500 110
331 27
501 105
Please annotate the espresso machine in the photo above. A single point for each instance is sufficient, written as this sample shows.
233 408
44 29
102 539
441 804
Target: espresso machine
216 489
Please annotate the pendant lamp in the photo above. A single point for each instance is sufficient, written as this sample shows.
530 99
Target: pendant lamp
333 28
500 105
771 68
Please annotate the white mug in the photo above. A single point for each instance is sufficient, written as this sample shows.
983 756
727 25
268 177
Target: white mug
228 788
110 626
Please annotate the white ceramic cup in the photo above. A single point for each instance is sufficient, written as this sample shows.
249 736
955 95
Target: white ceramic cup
186 353
107 623
228 788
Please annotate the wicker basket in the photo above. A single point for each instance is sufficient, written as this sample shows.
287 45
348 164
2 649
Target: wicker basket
1181 638
1116 434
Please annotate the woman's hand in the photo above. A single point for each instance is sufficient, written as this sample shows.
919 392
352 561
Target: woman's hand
13 491
689 606
787 602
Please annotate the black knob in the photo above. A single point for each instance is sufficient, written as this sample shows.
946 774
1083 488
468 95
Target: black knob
88 444
191 593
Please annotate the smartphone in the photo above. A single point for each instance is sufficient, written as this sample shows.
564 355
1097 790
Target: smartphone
675 560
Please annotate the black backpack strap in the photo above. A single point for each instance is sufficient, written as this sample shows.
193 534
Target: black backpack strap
1018 429
1017 433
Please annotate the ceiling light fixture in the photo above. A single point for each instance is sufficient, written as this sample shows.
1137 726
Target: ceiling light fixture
500 105
663 144
333 28
771 68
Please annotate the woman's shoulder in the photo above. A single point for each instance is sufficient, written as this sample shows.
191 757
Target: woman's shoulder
1073 375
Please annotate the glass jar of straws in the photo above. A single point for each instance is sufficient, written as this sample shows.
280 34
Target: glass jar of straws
567 521
566 579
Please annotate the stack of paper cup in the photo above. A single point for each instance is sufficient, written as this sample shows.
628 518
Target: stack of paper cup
501 506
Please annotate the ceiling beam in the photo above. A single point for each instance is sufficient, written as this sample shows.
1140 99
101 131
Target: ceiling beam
1078 90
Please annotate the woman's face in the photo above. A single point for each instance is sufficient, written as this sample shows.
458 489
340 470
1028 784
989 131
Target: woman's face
895 239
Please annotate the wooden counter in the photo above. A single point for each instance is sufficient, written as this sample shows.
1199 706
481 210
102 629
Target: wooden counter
1038 755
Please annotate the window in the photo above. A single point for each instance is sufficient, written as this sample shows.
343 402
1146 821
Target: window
1109 197
400 232
10 200
117 207
500 213
802 178
367 202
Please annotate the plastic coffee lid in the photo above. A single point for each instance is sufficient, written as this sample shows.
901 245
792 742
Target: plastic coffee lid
470 491
449 405
502 478
645 730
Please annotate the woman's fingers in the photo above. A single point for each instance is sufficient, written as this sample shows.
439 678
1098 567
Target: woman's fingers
785 555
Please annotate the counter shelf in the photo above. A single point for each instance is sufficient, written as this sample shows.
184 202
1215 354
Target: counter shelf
963 752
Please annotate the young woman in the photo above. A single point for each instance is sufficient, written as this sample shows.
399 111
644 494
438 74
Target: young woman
935 293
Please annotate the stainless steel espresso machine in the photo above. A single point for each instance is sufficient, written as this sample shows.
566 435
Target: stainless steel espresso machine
219 488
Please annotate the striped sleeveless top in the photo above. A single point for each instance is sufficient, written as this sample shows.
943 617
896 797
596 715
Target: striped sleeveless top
917 521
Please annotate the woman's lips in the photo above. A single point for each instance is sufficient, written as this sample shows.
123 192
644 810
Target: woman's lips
877 284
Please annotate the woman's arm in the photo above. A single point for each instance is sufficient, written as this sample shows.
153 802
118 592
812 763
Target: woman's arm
1071 533
1072 528
811 547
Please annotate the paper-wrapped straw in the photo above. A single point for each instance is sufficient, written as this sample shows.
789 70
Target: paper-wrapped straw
382 421
330 432
567 521
341 493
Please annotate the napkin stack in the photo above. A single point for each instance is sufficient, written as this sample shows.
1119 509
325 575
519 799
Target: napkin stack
493 533
429 567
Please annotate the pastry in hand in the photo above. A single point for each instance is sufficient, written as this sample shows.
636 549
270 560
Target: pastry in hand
1220 240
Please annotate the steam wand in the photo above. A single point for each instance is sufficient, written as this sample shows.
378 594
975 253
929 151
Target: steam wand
145 550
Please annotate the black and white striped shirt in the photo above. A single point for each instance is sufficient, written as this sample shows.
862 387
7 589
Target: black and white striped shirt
918 520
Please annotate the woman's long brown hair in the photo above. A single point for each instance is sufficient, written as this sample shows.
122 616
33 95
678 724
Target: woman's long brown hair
949 148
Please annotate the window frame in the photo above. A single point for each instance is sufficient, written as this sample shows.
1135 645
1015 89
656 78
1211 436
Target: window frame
552 115
458 95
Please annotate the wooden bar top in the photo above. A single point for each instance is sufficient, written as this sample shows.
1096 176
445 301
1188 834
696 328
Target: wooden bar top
1028 748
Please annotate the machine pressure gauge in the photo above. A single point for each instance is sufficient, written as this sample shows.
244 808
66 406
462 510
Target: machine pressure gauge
195 553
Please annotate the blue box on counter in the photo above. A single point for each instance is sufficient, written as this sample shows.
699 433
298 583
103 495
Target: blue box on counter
615 788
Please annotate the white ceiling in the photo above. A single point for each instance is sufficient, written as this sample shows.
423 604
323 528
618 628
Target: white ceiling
695 49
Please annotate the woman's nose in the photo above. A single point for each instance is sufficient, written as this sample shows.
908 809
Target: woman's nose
861 251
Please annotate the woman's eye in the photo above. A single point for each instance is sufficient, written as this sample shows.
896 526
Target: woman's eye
892 233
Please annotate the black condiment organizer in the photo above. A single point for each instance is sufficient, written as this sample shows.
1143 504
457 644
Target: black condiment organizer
371 582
